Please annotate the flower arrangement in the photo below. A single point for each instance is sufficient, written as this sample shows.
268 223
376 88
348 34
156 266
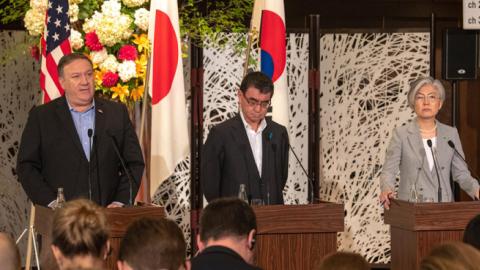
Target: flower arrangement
113 34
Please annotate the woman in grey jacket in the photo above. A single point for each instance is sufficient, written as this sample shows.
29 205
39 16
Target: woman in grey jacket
424 151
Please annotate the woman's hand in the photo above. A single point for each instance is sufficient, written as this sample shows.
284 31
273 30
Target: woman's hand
385 198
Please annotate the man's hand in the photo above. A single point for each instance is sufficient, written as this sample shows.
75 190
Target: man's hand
115 205
386 196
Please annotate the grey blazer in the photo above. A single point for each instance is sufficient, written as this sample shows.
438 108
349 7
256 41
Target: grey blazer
406 154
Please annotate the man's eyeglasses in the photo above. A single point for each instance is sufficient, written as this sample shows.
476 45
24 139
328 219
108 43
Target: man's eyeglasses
254 103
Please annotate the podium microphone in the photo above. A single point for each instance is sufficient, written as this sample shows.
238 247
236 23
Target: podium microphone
452 145
125 169
90 133
429 143
309 179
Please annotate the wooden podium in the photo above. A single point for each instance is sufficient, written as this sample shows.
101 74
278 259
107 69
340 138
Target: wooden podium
416 227
296 236
118 219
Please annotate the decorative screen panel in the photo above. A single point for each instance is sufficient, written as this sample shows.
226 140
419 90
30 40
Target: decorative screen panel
364 83
19 92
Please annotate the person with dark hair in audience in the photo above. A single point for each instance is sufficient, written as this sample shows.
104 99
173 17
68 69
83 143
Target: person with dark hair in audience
227 236
152 244
248 149
344 261
80 235
472 232
452 256
9 255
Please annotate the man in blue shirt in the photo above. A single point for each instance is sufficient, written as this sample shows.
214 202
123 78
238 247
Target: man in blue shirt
70 143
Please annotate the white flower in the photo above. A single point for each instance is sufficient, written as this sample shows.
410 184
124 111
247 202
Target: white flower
110 64
40 5
92 23
127 70
34 22
141 18
73 13
134 3
111 30
99 56
127 34
76 39
111 8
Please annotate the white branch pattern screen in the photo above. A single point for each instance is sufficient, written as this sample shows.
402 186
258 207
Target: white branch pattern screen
364 83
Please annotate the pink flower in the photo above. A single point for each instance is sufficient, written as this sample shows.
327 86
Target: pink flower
109 79
92 42
127 52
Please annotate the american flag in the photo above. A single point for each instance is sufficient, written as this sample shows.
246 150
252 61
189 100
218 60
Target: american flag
55 44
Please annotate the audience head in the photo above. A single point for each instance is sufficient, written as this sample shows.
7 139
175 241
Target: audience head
80 235
229 222
344 261
472 232
151 244
452 256
9 255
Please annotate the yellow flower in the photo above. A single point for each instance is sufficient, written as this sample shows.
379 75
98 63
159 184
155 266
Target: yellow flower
99 77
142 42
137 93
141 63
120 91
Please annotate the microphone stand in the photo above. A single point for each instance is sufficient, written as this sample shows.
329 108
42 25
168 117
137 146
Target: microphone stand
310 181
452 145
122 162
429 143
90 133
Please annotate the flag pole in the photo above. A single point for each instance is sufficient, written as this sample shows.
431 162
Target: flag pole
145 99
146 192
253 31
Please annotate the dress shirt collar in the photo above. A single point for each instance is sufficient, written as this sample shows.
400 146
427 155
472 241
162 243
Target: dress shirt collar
70 107
261 127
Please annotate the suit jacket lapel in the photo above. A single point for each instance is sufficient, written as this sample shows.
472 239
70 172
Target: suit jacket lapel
442 146
99 117
267 157
240 135
65 117
416 143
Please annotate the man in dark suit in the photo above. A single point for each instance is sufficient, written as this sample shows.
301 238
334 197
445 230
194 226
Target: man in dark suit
247 149
227 236
70 143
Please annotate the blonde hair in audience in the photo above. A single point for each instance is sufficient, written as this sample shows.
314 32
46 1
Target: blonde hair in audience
80 228
344 261
9 255
452 256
